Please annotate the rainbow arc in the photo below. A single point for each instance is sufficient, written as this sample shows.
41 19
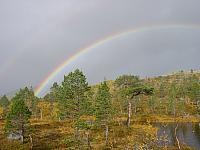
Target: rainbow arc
99 42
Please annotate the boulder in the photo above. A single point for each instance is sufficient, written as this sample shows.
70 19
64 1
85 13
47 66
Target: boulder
15 136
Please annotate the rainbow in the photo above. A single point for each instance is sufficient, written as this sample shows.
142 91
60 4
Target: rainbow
97 43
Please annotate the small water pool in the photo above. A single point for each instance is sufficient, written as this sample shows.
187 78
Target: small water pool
187 133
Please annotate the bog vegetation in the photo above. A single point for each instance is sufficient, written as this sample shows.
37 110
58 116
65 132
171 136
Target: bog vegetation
115 114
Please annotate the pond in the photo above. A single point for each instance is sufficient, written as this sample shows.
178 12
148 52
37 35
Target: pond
187 133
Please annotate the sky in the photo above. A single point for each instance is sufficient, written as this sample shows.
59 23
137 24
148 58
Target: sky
37 36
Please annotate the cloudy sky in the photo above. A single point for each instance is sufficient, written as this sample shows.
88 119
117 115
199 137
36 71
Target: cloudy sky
36 36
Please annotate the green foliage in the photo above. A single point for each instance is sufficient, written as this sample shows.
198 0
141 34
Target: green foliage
27 95
4 102
89 103
125 81
162 90
128 87
152 99
194 88
103 104
132 86
72 143
172 99
18 115
153 103
72 95
142 89
124 86
53 94
52 97
54 90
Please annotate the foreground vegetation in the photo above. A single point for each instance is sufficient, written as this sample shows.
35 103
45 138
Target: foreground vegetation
111 115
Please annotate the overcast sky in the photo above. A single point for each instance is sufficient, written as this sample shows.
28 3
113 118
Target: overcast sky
38 35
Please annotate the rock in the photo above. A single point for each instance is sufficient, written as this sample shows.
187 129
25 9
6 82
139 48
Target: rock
15 136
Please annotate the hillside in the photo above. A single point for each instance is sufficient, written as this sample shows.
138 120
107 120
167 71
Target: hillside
125 113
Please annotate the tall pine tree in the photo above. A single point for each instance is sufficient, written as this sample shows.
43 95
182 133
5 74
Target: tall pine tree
18 116
103 107
72 97
172 99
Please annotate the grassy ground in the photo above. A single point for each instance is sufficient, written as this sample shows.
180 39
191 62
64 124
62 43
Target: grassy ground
60 135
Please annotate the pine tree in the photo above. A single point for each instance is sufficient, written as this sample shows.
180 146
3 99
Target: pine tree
152 103
162 90
53 97
89 103
27 94
172 99
130 87
123 84
104 110
194 90
18 116
4 102
72 96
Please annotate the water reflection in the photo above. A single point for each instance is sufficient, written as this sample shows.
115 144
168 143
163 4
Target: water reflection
187 133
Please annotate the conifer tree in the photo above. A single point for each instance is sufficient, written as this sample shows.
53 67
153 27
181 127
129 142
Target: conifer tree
131 86
123 84
18 116
4 102
104 110
194 90
53 97
27 94
172 99
152 103
72 96
162 89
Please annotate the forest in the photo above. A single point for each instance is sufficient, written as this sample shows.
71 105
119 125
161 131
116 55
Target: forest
126 113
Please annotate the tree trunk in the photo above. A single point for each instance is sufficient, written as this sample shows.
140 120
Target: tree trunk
41 115
174 110
22 133
129 114
22 136
51 107
166 111
106 134
31 140
22 139
178 143
76 135
88 140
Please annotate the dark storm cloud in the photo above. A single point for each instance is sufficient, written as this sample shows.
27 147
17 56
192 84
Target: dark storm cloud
36 36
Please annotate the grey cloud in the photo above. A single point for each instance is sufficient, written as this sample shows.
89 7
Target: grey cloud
36 36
